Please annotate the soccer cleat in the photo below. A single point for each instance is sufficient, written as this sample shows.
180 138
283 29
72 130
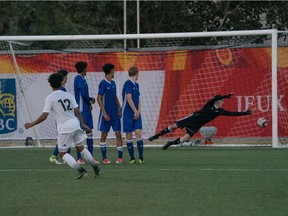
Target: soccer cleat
167 145
106 161
80 161
153 137
141 161
97 170
132 161
81 174
119 161
53 159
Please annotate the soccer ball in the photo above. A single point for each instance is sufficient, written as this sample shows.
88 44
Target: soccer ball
262 122
28 141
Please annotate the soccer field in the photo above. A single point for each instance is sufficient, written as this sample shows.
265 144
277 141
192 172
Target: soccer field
179 181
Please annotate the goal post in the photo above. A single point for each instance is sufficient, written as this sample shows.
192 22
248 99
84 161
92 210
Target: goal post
65 58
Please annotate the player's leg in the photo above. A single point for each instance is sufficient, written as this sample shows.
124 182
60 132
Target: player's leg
177 141
163 132
130 147
103 147
54 157
89 142
140 144
87 117
137 127
79 137
127 125
119 144
116 126
104 127
64 142
86 155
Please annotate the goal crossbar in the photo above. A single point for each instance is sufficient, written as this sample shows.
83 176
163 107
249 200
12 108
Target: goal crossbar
137 36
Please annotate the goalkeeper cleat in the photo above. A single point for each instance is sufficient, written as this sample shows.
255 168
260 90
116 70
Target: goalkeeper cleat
81 174
153 137
132 161
53 159
167 145
97 170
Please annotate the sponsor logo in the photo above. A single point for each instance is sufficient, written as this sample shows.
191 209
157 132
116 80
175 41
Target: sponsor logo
8 114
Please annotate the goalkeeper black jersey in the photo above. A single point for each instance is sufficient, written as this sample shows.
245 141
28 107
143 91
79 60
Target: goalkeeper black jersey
210 112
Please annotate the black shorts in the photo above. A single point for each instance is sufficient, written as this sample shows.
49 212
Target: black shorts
190 124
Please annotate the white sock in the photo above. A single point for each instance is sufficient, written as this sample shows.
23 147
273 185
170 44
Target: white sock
88 157
71 161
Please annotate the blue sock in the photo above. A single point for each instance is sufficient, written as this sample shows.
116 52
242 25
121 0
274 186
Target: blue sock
140 146
69 150
120 151
56 150
130 149
103 150
89 143
78 155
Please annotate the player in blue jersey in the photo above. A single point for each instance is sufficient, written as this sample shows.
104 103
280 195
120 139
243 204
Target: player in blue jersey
81 92
54 157
132 121
110 113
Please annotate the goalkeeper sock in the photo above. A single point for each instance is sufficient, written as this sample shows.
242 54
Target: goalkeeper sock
71 162
103 150
130 149
164 131
176 142
140 146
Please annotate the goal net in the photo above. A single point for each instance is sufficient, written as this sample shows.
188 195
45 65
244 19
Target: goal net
179 73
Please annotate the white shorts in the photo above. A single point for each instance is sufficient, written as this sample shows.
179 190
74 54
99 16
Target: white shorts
68 140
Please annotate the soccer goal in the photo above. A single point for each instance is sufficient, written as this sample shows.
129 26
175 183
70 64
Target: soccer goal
179 73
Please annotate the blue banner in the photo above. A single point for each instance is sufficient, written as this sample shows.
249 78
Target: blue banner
8 111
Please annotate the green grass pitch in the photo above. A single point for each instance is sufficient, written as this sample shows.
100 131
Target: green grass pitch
178 181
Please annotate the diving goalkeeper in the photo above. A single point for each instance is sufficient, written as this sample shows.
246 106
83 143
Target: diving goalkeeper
192 123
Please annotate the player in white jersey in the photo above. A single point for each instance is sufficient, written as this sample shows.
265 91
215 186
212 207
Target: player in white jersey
63 107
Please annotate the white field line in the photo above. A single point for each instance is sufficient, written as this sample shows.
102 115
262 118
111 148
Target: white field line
164 169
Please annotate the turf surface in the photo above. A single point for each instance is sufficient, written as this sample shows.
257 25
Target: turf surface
178 181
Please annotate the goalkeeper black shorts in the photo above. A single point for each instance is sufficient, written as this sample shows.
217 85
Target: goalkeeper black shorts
190 124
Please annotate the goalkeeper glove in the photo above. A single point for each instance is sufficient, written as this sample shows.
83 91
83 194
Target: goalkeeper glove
248 112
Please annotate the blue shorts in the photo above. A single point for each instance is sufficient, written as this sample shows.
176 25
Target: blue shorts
104 126
87 117
130 125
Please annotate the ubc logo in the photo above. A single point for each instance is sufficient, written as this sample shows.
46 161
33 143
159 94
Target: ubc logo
8 115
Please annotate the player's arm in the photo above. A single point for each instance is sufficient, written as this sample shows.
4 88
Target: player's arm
85 96
101 105
139 107
80 117
80 89
229 113
119 107
218 97
40 119
132 105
